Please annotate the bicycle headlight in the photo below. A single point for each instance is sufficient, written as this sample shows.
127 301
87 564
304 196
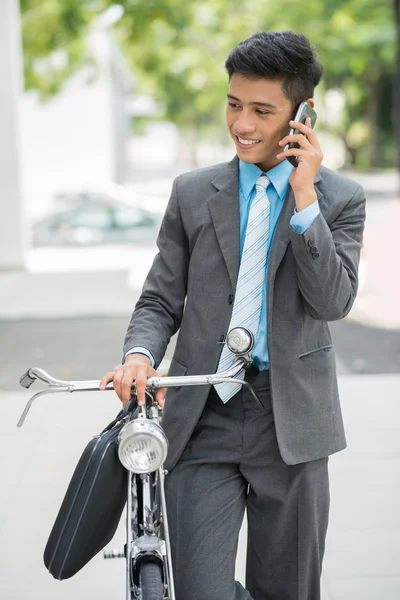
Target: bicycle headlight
240 341
143 446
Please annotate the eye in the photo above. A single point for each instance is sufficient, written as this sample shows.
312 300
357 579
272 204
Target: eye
262 112
233 105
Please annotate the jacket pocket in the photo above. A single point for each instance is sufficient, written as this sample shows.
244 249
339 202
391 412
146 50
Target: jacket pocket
308 352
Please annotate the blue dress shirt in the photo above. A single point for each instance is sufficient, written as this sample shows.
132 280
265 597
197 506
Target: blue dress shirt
300 222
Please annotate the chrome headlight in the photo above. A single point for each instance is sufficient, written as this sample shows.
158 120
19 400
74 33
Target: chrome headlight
143 446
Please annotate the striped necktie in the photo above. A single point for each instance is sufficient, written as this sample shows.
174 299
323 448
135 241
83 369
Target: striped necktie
250 284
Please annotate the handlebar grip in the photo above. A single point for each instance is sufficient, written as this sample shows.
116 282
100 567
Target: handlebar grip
27 380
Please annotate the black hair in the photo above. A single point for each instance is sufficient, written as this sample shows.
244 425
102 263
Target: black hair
281 56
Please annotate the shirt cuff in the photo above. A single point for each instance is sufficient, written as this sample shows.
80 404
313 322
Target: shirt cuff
140 350
302 220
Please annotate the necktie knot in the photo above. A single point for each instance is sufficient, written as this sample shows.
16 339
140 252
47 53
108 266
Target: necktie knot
262 182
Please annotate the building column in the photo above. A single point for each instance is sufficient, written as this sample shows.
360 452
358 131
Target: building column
12 217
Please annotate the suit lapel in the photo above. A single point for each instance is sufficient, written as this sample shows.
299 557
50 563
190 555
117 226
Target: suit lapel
282 232
224 209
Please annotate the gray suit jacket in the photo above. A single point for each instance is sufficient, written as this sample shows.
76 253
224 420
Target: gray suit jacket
189 289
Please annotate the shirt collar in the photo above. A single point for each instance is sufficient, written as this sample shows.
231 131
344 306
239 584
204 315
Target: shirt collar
278 176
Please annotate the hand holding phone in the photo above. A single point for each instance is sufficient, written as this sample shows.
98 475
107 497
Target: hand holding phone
302 113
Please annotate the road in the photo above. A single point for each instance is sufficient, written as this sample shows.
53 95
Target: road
85 348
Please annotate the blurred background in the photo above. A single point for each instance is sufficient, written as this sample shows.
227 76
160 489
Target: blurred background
102 104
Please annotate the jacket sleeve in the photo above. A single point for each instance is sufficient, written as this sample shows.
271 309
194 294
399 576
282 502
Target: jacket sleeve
327 259
158 312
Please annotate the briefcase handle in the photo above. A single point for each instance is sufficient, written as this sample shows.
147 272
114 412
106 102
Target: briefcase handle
130 407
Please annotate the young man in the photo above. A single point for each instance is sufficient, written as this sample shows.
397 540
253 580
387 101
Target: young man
252 241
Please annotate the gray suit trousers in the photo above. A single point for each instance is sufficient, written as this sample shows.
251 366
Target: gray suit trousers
232 462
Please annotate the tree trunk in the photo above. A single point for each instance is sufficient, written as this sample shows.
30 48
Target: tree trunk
351 155
373 108
396 86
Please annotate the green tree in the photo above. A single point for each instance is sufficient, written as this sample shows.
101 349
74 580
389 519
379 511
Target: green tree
179 55
178 49
53 42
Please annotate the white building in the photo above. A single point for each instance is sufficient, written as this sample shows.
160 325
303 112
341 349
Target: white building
12 212
80 136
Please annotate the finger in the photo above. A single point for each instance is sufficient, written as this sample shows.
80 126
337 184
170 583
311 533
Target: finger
160 396
306 129
117 384
106 379
128 378
293 152
300 138
300 126
141 382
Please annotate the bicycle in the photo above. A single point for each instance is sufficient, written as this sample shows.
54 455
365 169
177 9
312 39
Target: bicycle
142 450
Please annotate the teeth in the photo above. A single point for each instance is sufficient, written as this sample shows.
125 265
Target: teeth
248 142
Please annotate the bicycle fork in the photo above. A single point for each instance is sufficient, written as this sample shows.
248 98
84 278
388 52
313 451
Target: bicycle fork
147 530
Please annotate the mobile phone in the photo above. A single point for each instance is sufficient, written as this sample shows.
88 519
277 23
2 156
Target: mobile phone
302 113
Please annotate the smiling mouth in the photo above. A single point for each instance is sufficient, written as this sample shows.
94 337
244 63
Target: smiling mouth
247 142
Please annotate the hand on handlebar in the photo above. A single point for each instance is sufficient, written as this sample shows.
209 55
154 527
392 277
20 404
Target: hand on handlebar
137 368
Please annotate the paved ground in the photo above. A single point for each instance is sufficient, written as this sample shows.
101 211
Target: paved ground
69 315
36 463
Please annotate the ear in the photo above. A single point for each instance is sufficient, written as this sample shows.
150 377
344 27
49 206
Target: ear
311 102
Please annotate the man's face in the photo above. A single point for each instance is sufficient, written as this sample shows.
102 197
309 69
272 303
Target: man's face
258 113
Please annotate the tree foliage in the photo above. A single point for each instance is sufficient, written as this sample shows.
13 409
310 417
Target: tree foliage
53 41
178 50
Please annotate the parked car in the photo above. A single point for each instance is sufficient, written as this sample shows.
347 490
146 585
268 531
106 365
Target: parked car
109 193
96 222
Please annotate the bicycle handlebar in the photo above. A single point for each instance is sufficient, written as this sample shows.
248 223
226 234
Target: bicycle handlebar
58 385
35 373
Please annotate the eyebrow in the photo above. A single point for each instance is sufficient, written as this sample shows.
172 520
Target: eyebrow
266 104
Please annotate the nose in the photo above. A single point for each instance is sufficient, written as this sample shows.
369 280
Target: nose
244 124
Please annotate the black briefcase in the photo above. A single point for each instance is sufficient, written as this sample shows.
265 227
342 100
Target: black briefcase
92 506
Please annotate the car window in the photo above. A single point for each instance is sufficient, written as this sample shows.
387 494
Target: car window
96 217
126 218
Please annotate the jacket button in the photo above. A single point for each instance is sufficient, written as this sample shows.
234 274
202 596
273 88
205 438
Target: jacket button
311 243
231 297
314 250
315 255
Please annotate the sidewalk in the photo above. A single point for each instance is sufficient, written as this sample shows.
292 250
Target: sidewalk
379 300
65 283
77 282
36 462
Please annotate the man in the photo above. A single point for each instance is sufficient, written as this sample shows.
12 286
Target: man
226 452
